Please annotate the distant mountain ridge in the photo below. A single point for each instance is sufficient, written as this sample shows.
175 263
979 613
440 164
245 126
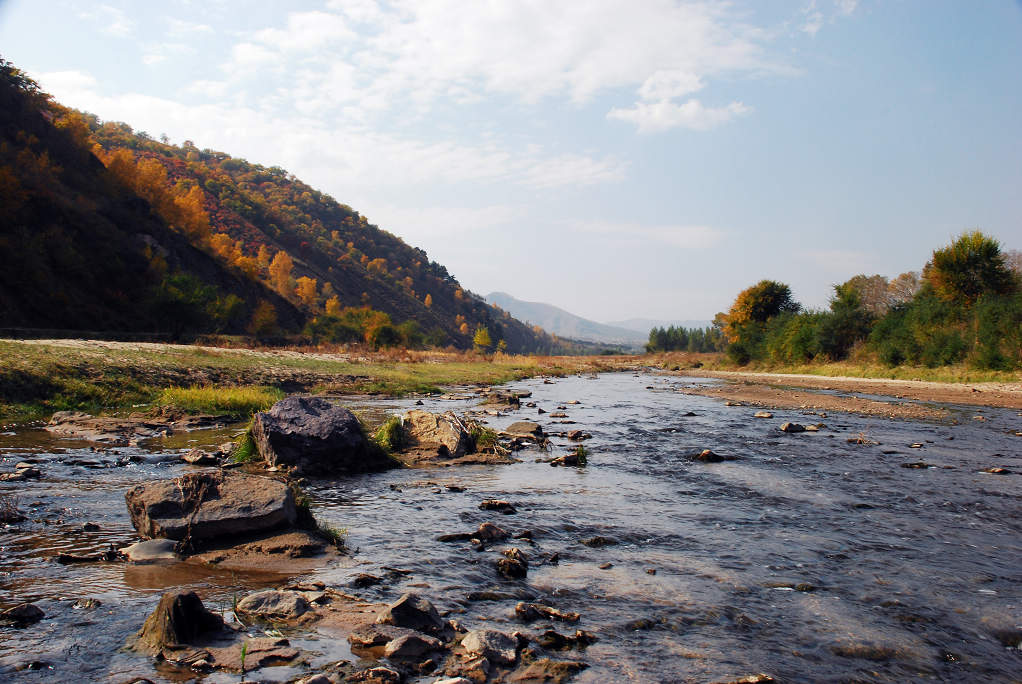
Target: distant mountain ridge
644 325
566 324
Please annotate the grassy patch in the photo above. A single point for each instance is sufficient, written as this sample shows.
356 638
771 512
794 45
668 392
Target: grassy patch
246 451
483 437
235 401
582 454
390 436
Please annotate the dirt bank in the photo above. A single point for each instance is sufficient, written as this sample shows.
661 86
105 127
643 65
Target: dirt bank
856 395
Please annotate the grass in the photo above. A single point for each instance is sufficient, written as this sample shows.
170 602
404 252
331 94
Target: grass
38 377
234 401
582 454
484 438
390 436
860 368
246 451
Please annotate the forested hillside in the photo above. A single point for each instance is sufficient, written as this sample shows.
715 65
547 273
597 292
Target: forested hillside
104 228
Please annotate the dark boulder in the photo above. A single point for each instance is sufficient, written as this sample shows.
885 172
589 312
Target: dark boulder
210 504
315 437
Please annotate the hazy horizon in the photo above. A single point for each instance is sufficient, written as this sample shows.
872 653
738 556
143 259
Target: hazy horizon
647 159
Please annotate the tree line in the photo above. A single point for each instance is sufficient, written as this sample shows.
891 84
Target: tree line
964 307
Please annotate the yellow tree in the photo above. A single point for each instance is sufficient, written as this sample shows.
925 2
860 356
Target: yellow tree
333 306
280 272
482 340
306 291
428 301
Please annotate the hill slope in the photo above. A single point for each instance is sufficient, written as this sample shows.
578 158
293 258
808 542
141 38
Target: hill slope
105 228
565 324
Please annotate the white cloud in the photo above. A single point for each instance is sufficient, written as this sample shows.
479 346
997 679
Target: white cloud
112 20
685 237
667 85
153 58
846 7
186 29
652 117
813 21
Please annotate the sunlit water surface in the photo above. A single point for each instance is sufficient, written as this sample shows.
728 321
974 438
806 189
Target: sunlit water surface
916 573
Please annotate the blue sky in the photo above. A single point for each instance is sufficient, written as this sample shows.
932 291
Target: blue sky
647 158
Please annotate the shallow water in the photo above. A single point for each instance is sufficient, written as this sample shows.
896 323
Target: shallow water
917 572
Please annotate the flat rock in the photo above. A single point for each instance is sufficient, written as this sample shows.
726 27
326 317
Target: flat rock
376 634
547 671
495 646
411 646
151 551
525 428
314 437
210 504
274 604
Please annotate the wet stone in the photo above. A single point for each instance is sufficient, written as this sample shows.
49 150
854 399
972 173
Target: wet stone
498 505
495 646
411 646
599 542
792 428
273 604
414 612
22 615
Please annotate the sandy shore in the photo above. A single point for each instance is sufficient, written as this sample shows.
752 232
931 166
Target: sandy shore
857 395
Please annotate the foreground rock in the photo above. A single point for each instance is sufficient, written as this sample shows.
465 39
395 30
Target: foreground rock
495 646
22 615
210 504
273 604
315 437
413 612
437 435
179 618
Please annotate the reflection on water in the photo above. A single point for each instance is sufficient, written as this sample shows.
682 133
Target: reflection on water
809 557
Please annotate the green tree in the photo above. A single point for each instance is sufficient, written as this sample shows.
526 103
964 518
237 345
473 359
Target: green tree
969 268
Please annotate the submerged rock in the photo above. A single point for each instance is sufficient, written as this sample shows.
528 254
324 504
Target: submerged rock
514 565
792 428
314 437
529 612
499 505
210 504
22 614
179 618
548 671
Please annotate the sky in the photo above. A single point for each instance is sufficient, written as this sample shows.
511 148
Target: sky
648 158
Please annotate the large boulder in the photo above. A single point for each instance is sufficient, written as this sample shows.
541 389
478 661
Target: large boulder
441 435
210 504
315 437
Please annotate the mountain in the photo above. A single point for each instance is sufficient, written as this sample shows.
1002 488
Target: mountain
103 228
565 324
644 325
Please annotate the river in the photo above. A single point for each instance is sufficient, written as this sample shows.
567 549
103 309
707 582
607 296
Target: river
811 557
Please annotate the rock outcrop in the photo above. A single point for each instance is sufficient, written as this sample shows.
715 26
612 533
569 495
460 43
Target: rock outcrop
440 435
315 437
210 504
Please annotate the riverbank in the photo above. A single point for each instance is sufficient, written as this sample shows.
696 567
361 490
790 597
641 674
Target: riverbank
39 377
866 396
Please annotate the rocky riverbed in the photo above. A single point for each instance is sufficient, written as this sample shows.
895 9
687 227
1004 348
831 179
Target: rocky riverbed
859 547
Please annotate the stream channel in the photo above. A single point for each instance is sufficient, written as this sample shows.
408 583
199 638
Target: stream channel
809 557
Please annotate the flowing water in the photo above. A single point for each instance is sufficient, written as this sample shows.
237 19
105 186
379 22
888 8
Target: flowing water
810 557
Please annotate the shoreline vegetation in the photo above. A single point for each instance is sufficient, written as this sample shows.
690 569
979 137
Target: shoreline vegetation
39 377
